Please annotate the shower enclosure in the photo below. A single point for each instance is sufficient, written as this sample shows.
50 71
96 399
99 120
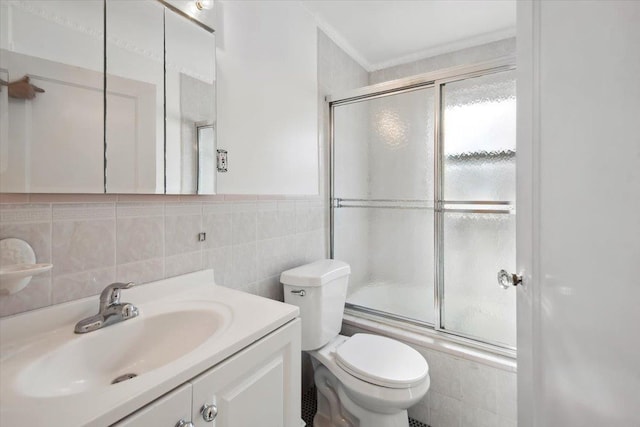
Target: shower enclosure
423 199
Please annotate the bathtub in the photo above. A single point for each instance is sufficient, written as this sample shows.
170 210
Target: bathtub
479 315
404 300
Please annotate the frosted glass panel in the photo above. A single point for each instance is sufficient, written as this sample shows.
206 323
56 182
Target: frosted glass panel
479 133
384 147
351 243
476 247
391 256
351 150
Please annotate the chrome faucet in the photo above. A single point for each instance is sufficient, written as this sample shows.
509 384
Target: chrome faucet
111 310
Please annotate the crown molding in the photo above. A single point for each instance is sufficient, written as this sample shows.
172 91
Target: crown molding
447 48
337 38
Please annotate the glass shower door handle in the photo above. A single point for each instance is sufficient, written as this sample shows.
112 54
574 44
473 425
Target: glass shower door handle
507 280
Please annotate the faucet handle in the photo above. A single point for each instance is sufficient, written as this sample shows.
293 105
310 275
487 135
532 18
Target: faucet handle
129 311
111 294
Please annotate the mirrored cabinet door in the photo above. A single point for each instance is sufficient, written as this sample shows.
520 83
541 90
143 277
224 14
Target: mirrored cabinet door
190 107
51 98
134 96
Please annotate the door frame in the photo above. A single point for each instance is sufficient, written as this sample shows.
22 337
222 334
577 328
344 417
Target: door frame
528 205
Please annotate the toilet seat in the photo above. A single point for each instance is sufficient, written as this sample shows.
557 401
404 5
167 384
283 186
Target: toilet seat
381 361
382 400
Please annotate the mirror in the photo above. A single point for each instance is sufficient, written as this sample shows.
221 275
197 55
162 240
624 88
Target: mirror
134 97
155 74
190 101
51 98
206 149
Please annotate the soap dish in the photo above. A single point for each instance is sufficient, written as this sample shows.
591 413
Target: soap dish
17 265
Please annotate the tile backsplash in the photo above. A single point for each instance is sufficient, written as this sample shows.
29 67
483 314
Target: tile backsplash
249 242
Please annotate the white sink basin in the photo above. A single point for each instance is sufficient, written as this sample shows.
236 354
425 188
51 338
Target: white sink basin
136 346
186 325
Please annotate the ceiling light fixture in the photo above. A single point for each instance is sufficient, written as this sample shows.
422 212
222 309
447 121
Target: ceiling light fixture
204 4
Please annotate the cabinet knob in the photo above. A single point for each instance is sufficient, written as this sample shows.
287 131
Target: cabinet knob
183 423
209 412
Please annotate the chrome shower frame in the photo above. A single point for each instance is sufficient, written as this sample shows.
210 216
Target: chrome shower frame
435 80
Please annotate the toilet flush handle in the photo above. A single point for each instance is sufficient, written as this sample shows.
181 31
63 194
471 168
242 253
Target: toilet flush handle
300 292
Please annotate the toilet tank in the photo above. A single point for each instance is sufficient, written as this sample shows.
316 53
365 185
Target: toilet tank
319 289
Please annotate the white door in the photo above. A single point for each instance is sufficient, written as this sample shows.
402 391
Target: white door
579 213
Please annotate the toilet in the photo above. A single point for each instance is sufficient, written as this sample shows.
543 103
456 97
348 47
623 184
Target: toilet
365 380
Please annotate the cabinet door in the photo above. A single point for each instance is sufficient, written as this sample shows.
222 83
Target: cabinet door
164 412
260 386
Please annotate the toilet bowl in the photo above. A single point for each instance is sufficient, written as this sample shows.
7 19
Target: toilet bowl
364 380
362 399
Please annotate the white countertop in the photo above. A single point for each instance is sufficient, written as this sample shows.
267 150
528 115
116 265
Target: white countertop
25 337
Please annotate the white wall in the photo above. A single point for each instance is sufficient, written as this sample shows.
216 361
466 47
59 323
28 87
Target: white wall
579 240
267 98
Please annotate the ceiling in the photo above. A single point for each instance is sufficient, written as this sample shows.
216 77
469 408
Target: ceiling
383 33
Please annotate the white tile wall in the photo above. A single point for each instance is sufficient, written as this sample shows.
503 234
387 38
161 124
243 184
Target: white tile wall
249 243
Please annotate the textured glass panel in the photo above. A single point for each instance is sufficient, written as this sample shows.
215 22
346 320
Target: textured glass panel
391 257
476 247
479 131
351 150
384 147
351 242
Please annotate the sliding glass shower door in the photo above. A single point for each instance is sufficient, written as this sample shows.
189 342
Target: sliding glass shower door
476 219
423 193
383 188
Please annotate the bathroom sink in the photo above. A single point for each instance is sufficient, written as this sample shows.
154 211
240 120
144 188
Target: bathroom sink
186 325
120 352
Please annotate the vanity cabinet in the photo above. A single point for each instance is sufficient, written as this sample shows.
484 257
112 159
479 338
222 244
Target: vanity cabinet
164 412
259 385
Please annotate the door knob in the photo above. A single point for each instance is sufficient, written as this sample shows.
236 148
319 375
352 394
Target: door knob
507 280
183 423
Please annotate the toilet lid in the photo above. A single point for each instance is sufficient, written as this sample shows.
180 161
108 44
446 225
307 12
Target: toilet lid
381 361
